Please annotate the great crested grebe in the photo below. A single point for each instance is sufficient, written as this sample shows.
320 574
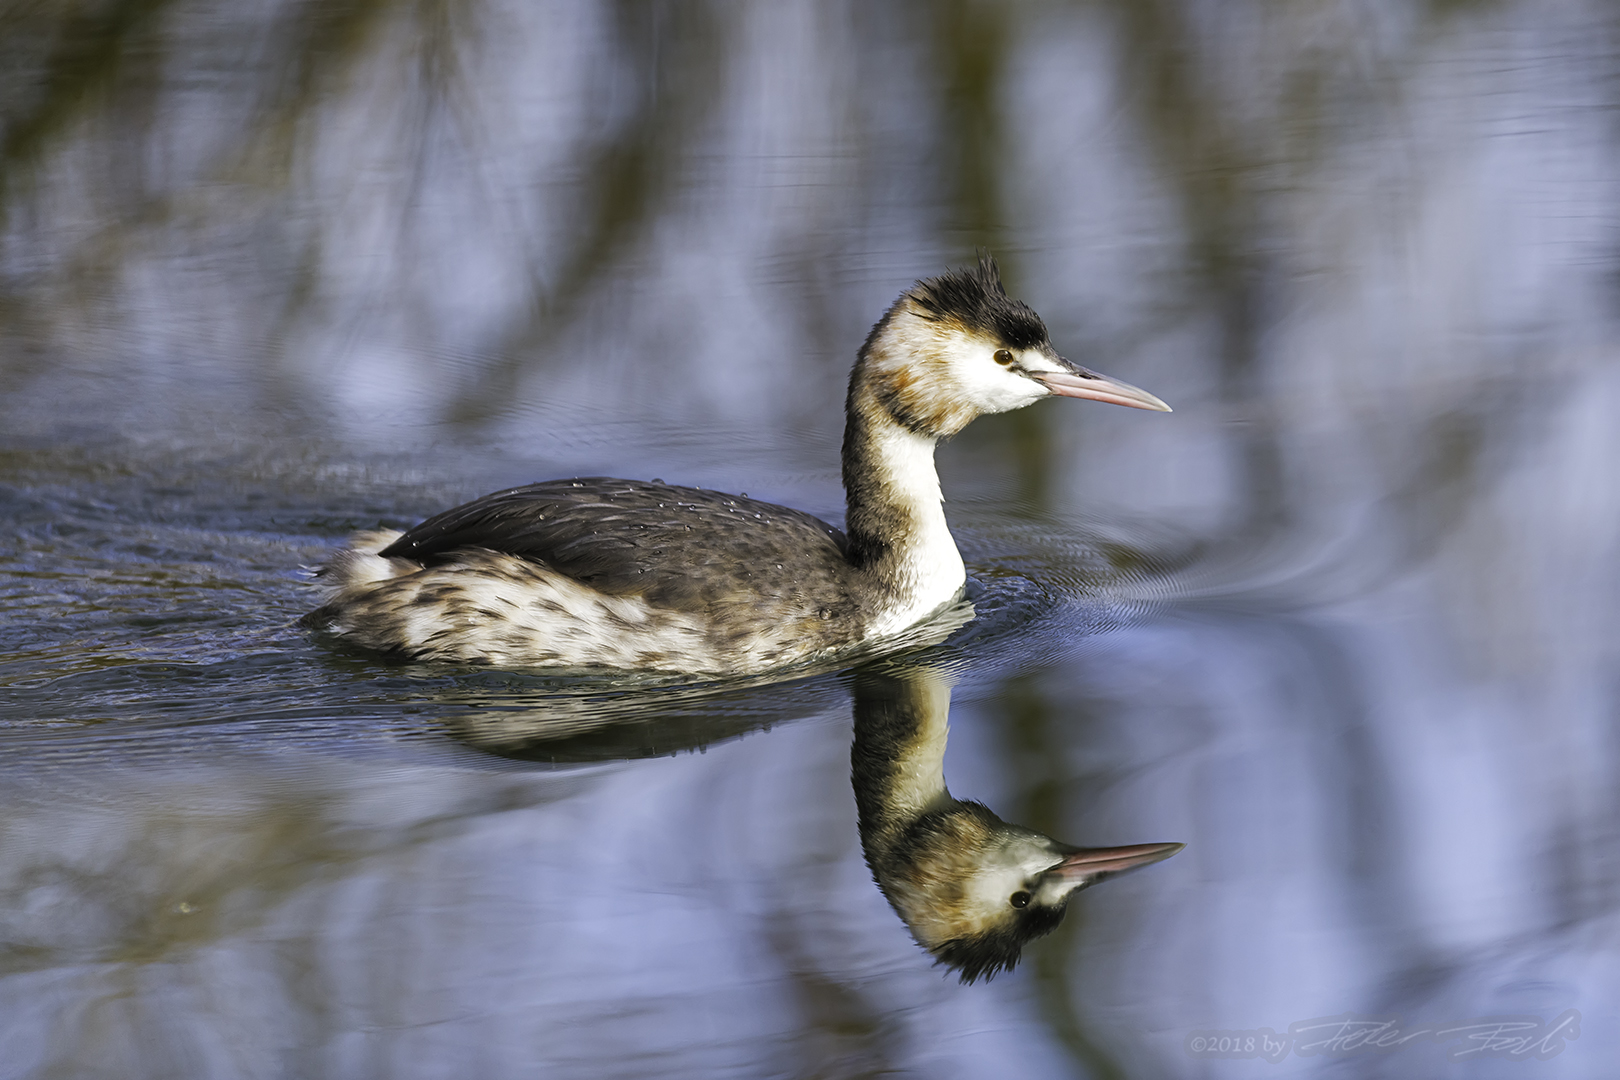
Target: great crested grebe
973 889
627 574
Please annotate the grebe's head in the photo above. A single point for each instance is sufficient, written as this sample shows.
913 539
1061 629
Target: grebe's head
956 346
973 889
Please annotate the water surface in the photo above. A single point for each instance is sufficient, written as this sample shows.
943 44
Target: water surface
1344 623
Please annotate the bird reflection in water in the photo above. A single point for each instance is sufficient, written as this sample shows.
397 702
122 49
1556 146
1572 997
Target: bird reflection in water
972 888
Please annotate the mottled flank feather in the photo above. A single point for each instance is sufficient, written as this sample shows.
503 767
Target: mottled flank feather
598 573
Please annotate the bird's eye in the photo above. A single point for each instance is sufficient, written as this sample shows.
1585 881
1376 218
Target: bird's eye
1005 357
1020 899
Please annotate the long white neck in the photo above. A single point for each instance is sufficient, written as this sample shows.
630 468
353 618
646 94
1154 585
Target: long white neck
901 724
896 517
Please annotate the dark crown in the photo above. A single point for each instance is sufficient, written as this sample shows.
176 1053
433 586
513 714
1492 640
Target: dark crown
974 297
982 955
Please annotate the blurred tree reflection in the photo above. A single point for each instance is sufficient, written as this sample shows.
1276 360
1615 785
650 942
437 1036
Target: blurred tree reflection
1365 247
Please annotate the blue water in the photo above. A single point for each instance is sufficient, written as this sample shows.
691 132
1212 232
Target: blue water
1344 623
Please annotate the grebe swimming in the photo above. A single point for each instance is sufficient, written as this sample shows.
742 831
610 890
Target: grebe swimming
627 574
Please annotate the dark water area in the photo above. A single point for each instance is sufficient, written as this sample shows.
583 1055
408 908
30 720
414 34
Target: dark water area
1346 623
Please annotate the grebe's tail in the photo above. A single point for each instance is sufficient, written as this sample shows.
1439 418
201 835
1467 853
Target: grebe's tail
357 566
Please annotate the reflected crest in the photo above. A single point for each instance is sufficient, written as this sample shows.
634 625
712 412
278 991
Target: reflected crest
972 888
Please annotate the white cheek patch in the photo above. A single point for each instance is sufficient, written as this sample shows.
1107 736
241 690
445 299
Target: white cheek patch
989 891
991 387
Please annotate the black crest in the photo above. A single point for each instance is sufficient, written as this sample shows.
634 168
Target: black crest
982 956
974 297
